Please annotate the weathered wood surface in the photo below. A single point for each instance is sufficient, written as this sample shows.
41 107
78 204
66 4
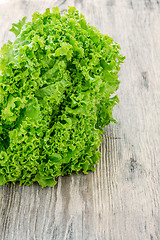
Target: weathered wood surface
121 199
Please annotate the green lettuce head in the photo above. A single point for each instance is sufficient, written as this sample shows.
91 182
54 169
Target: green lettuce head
57 81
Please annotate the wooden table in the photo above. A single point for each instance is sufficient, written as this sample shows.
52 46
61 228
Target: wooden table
121 199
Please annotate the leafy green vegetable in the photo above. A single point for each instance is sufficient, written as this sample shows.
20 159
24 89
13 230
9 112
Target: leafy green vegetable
57 81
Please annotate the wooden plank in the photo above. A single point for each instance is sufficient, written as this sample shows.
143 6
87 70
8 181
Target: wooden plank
121 199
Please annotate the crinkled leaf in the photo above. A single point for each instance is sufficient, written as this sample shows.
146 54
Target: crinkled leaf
17 27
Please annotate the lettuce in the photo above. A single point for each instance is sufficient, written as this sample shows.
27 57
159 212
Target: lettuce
57 85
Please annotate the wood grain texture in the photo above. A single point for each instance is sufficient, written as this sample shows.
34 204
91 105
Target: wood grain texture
121 199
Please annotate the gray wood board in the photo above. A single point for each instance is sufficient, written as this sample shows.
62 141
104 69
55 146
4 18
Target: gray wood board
120 200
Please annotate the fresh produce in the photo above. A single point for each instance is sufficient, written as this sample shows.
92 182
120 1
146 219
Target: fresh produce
57 81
